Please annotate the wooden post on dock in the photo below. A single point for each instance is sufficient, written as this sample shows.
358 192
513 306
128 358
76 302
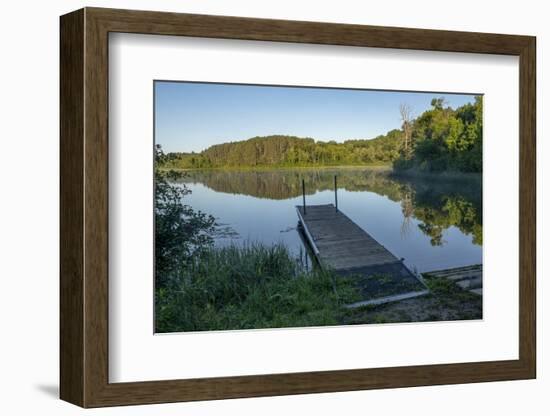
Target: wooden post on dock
304 194
335 193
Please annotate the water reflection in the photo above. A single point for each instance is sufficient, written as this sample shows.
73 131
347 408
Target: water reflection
438 202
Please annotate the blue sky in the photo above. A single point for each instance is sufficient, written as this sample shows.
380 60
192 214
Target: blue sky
193 116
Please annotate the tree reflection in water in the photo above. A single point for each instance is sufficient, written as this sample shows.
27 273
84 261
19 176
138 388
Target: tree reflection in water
438 202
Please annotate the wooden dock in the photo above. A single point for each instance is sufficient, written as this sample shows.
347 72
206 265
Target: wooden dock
341 245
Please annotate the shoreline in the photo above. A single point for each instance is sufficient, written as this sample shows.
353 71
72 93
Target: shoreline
388 168
272 168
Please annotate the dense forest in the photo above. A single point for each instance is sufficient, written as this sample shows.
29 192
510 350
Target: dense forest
439 139
289 151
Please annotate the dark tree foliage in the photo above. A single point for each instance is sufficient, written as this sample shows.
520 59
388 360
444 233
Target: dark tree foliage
446 139
180 231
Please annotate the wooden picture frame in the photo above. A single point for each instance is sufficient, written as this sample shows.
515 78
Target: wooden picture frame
84 207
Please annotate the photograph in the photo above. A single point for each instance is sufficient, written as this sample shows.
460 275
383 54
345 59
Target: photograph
305 206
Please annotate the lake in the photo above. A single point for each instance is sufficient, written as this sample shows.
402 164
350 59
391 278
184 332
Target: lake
432 222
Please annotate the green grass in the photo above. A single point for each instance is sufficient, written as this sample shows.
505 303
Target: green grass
254 286
259 286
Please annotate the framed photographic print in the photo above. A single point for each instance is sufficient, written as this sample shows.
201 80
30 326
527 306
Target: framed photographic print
255 207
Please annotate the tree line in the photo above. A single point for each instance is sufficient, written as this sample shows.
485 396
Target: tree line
289 151
441 138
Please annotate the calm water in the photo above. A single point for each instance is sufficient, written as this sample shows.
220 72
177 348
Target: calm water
433 223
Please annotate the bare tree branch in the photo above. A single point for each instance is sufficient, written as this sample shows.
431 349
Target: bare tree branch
405 110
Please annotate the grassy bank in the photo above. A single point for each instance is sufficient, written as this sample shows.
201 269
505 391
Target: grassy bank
249 287
259 286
